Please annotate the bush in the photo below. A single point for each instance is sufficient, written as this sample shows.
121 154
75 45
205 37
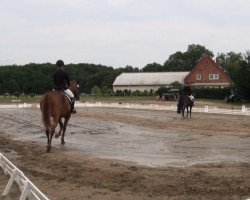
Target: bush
104 90
211 93
161 91
16 94
119 93
32 94
95 90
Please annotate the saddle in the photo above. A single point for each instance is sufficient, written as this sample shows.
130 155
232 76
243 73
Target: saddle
191 97
70 100
62 92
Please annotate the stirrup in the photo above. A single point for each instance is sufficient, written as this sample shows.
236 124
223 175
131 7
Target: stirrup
73 111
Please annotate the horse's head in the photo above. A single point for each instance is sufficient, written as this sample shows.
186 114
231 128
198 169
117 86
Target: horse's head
180 105
74 87
179 108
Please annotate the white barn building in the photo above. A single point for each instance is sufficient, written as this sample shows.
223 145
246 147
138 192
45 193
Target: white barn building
147 80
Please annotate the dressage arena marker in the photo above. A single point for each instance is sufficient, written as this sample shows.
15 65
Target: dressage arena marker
27 188
207 109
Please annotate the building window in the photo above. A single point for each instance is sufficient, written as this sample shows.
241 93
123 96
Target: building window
213 76
198 76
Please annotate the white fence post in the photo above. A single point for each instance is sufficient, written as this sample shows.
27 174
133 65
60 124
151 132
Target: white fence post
206 109
27 188
243 108
10 182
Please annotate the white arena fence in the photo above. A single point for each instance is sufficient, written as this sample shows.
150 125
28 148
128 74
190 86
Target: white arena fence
27 188
19 105
207 109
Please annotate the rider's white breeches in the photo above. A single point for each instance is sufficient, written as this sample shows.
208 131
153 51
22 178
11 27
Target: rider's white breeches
69 93
191 97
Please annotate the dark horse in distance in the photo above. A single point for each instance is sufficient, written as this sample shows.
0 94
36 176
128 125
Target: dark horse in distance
54 106
185 103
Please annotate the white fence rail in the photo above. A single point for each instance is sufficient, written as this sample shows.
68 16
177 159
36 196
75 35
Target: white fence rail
27 188
207 109
19 105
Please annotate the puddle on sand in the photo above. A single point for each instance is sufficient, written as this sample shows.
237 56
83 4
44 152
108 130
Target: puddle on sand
142 145
157 147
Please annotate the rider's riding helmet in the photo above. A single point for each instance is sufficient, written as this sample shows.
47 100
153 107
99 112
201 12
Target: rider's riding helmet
59 63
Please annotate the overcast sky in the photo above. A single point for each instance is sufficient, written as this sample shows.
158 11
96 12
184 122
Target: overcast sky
119 32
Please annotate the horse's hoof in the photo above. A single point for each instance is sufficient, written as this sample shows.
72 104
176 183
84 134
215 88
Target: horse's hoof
62 143
57 135
48 151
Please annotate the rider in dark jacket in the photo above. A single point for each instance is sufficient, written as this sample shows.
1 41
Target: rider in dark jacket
61 82
61 79
187 91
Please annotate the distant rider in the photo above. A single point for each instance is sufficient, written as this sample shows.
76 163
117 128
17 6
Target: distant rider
187 91
61 82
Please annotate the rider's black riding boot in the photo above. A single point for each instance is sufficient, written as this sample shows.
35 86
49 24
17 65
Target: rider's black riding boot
73 110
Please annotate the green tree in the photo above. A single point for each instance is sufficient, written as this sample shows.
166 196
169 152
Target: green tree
95 90
175 62
13 86
194 53
110 92
129 68
153 67
176 85
187 60
241 79
104 90
161 91
16 94
230 61
238 69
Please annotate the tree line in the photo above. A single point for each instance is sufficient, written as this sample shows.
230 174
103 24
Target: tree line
38 78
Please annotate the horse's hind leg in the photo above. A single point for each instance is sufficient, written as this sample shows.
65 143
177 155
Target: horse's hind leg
187 112
182 113
61 128
47 134
64 129
50 140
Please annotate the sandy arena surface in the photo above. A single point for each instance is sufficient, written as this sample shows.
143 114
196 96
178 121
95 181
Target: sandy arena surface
130 154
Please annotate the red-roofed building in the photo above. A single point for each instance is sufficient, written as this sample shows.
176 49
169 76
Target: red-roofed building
207 73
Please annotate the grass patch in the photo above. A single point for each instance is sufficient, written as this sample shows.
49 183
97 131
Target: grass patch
36 99
118 98
220 102
13 99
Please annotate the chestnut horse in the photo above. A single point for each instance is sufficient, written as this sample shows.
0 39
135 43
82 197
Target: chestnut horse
54 106
185 103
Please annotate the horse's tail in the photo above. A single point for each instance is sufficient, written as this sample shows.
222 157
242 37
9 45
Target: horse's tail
46 111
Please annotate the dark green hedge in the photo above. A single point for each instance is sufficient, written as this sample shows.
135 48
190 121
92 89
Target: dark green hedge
211 93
